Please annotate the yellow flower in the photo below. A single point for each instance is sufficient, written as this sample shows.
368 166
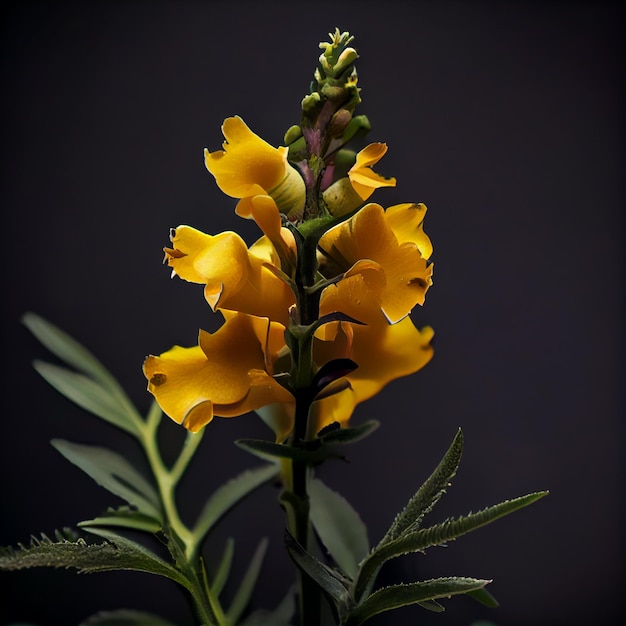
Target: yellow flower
227 374
249 166
381 256
346 194
235 278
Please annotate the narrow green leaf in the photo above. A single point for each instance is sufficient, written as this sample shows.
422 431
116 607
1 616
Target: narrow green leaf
331 584
229 494
134 556
70 551
339 527
440 534
432 605
484 597
73 353
125 617
350 435
223 569
429 493
125 517
87 394
270 451
247 585
114 473
68 349
396 596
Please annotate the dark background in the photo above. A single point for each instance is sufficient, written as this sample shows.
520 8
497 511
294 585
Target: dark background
505 118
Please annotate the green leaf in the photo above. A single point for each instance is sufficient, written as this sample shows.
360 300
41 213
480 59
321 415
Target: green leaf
125 617
73 353
411 516
428 494
113 472
270 451
223 569
440 534
134 556
349 435
330 582
484 597
87 394
247 585
339 527
396 596
229 494
71 551
67 551
125 517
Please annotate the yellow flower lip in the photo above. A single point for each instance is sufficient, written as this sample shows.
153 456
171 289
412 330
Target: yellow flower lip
363 178
225 375
384 276
249 166
235 277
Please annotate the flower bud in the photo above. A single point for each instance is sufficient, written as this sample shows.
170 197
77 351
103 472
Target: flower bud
339 122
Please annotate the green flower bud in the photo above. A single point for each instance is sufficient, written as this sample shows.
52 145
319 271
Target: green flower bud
293 133
310 102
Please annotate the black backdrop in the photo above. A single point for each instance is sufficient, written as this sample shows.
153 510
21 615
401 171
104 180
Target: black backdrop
504 117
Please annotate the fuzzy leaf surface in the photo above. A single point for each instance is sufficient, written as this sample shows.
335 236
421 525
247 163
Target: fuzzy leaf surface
117 553
428 494
396 596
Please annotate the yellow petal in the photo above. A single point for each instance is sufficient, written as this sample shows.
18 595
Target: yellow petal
404 273
364 180
235 278
407 222
249 166
224 375
385 352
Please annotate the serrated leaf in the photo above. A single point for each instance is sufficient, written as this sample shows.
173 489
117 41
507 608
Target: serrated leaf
134 556
73 353
229 494
114 473
396 596
68 551
339 527
439 534
125 617
125 517
247 585
87 394
117 553
429 493
331 584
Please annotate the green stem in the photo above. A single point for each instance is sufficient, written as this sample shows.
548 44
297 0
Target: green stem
206 605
